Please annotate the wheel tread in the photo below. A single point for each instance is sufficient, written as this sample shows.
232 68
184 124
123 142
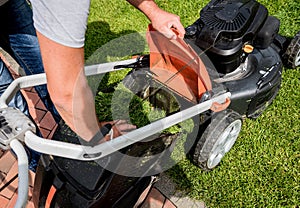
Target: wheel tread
207 140
292 51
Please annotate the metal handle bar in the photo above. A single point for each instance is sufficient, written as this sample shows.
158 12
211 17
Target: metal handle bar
87 153
18 148
39 79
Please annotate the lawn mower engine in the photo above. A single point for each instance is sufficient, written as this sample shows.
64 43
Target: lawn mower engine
238 38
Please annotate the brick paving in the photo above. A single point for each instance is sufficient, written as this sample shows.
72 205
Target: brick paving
46 123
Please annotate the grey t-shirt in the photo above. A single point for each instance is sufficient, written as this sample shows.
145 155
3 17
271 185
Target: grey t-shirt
63 21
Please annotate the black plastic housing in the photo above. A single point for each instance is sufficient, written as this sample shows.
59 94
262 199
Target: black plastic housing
252 94
266 35
224 27
114 190
85 184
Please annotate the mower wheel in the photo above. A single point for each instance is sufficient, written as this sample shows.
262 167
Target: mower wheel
292 54
217 139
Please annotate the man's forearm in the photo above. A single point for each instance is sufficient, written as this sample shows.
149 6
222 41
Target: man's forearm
68 87
148 7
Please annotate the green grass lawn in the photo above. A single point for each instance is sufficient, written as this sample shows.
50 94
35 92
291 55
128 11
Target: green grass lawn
263 168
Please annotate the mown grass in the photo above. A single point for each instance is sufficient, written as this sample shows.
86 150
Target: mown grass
263 168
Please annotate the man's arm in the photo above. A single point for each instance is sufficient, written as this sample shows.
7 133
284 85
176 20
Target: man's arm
161 20
61 27
69 90
67 85
61 42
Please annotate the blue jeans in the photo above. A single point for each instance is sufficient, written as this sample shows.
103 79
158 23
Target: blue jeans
5 79
18 38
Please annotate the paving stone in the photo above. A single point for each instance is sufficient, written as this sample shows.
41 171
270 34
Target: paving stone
32 98
28 89
154 200
12 201
2 177
6 161
52 132
3 201
10 190
12 173
45 132
48 122
144 195
40 105
169 204
37 115
179 198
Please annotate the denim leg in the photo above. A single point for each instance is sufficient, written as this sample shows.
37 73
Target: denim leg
18 100
23 42
26 52
24 47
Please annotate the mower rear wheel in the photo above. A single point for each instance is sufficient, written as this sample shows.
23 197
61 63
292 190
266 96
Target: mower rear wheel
292 54
217 139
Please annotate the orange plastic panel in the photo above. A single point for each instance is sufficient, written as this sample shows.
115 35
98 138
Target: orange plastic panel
178 66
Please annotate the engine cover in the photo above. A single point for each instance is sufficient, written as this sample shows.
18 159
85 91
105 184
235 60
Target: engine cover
223 29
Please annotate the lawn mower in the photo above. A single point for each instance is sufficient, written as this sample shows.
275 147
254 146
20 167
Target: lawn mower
226 69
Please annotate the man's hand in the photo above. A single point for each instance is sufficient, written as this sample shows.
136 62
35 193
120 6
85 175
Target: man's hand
166 23
119 128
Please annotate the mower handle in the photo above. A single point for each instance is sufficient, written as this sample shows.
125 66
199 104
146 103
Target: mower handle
39 79
88 153
22 158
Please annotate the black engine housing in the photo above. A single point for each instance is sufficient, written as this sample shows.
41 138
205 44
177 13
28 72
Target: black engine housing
225 26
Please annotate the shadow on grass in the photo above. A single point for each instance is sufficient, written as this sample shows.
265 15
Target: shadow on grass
103 45
98 35
177 173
